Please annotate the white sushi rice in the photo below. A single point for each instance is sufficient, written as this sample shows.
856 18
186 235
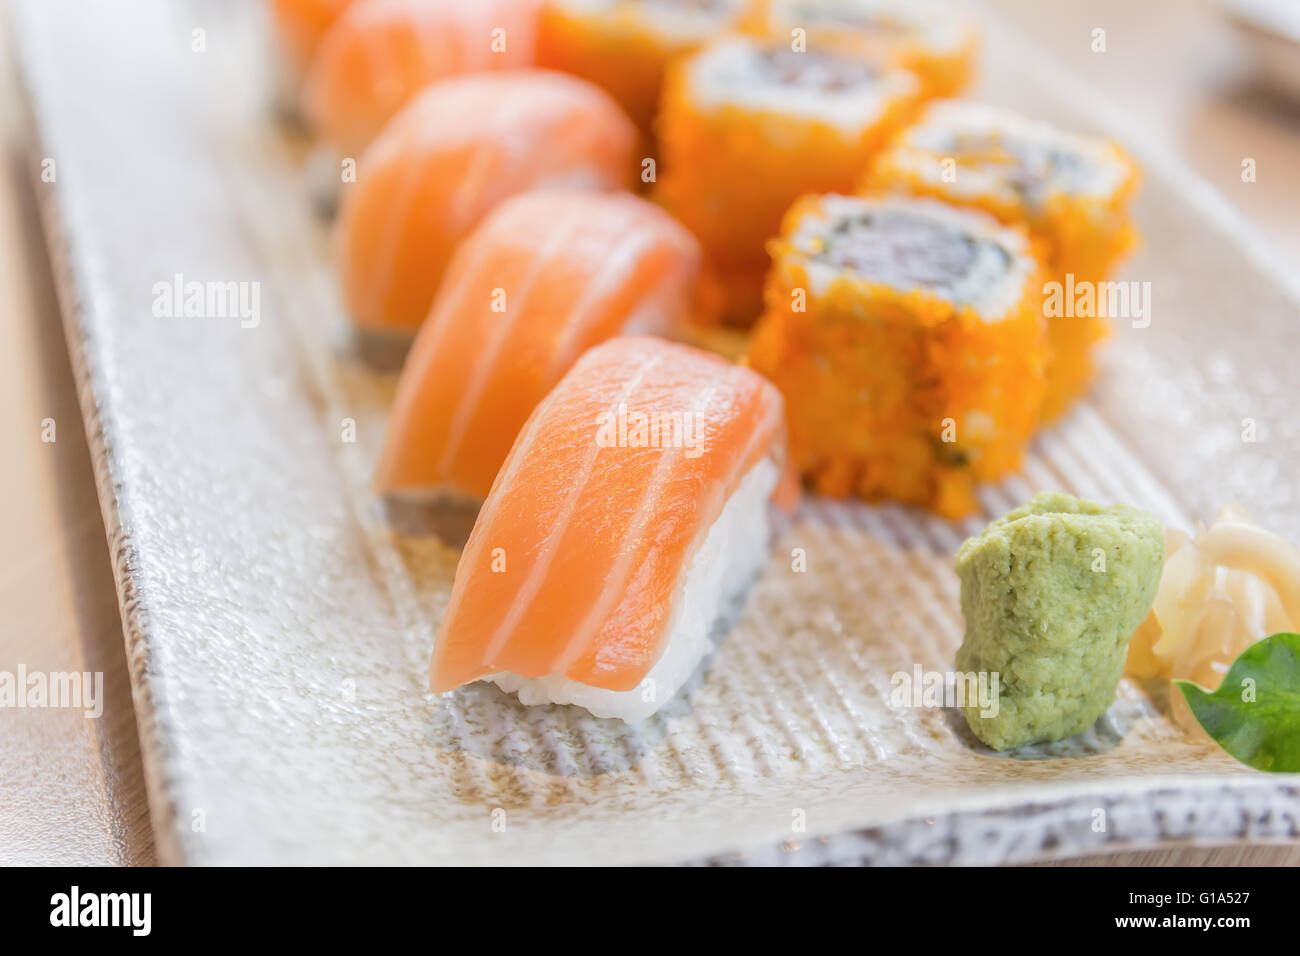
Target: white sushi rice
951 127
730 73
942 27
732 554
994 289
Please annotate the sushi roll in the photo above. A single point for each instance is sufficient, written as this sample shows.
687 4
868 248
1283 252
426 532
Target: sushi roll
908 338
624 46
748 125
934 40
1072 193
378 54
545 276
632 508
449 157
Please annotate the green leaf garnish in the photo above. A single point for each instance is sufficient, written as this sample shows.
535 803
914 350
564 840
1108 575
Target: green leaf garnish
1255 713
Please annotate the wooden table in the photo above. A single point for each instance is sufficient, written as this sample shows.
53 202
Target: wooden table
73 788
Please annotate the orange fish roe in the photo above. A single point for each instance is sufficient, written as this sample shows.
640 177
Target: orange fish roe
901 392
747 126
1071 192
624 46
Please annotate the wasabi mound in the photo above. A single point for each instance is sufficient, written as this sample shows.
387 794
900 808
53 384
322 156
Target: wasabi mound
1051 594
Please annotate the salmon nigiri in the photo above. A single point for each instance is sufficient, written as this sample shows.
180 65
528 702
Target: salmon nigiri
299 27
378 54
632 508
545 276
447 159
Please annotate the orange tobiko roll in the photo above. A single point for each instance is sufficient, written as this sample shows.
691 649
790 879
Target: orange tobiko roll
380 53
908 339
625 45
748 125
1071 192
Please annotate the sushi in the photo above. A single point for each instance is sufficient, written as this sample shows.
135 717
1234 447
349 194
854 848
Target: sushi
748 125
299 26
378 54
631 510
1072 192
908 339
625 45
934 40
446 160
546 275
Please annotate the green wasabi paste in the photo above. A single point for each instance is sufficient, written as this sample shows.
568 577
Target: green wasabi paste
1051 594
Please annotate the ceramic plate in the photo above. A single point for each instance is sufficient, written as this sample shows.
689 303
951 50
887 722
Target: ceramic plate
278 622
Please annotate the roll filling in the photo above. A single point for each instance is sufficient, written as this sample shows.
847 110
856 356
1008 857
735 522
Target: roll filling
932 39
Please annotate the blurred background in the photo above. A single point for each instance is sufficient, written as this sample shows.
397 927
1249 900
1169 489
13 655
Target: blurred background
1209 80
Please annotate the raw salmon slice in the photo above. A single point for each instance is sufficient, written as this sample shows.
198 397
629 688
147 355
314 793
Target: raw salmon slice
300 25
378 54
609 536
545 276
448 158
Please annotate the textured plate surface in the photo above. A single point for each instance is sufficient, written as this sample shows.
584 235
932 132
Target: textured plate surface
278 625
